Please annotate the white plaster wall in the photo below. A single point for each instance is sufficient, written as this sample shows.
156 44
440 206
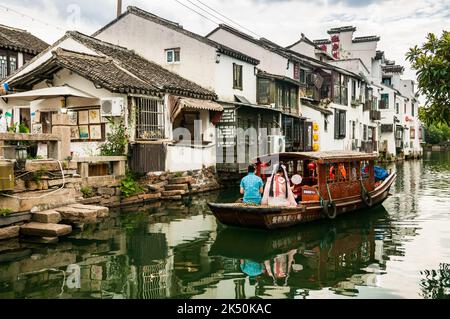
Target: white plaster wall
326 138
270 62
149 39
305 48
185 158
366 51
224 80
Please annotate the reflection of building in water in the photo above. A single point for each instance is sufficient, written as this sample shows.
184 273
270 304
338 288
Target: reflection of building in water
152 266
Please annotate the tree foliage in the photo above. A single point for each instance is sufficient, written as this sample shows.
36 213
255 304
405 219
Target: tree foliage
437 133
116 140
432 63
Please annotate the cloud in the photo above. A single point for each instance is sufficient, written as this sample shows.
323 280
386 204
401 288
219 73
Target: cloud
401 24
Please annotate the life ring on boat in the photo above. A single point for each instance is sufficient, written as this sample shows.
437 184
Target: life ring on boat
330 209
366 198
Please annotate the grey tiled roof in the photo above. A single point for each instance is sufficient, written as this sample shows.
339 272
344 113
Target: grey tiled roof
369 38
341 29
175 26
322 41
393 68
117 69
20 40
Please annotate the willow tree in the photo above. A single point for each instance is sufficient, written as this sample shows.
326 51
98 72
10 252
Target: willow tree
432 63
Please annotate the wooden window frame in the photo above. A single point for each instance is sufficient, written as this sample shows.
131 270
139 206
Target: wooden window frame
102 126
340 124
237 76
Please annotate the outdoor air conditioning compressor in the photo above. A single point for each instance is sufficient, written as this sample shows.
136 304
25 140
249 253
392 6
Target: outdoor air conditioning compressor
6 176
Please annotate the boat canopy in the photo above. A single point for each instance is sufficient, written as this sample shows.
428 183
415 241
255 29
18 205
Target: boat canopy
320 157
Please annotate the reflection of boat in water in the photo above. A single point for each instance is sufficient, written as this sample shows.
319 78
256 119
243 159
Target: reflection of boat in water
317 255
334 183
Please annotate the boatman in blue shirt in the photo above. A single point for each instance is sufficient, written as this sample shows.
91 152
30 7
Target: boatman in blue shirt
252 187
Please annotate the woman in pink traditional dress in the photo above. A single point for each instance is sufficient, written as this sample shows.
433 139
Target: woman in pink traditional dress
278 189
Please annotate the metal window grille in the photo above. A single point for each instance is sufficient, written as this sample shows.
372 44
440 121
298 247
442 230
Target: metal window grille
3 66
150 118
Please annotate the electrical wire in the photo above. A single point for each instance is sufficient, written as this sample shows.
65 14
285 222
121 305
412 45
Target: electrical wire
232 21
45 195
179 2
30 17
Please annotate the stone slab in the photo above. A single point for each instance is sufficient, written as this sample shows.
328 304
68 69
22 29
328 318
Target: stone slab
59 182
40 200
45 230
9 232
91 200
178 197
172 193
47 217
180 180
78 215
40 240
14 219
177 187
100 210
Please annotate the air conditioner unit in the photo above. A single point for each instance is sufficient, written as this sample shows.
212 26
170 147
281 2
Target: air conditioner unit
111 106
277 143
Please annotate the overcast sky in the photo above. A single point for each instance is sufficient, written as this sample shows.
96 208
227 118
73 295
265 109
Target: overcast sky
400 23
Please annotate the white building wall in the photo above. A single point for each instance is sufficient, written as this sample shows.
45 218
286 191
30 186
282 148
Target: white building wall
223 80
198 60
304 48
270 62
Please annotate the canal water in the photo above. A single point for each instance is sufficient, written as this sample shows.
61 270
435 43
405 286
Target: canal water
173 250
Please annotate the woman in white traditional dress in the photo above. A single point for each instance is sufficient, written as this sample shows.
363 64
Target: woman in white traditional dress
278 190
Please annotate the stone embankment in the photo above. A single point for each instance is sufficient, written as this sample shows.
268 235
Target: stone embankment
46 226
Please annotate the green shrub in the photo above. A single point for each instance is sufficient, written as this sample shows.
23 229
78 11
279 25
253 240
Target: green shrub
5 212
129 185
87 192
178 174
116 140
24 129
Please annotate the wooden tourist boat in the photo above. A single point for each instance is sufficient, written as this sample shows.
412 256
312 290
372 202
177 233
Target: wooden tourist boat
334 183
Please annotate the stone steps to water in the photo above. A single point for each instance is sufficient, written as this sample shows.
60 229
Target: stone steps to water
45 230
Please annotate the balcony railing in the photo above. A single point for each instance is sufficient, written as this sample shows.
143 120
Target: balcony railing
375 115
369 146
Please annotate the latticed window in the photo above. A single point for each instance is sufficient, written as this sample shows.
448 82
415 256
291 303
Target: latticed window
12 64
3 66
149 118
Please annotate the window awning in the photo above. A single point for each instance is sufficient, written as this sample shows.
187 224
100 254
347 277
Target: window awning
196 104
48 93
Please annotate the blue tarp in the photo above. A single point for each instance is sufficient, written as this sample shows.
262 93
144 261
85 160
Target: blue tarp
380 173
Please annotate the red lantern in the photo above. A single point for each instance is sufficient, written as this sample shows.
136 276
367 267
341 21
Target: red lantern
311 166
335 38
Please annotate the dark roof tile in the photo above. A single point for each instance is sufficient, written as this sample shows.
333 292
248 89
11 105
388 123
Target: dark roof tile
20 40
